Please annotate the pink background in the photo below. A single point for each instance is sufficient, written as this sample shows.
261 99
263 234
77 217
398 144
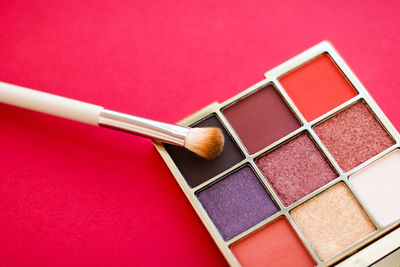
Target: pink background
73 194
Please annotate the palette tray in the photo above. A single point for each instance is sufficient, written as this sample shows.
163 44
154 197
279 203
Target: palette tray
309 172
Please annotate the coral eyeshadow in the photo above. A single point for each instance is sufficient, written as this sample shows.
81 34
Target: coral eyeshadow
317 87
276 244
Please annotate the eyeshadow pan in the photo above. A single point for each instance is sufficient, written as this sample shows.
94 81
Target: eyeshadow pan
296 169
332 221
197 170
276 244
237 202
378 185
317 87
261 118
286 189
353 136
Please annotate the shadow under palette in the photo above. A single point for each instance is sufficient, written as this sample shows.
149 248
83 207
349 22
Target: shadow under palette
309 171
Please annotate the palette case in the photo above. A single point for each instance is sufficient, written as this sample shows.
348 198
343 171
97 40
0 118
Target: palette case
308 174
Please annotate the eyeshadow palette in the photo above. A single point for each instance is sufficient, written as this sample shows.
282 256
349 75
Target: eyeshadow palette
309 175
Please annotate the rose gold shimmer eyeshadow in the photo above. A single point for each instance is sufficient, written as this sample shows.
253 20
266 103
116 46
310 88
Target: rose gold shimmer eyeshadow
296 169
353 136
332 221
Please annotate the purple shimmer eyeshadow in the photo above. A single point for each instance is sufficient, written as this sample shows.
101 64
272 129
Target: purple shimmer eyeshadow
237 202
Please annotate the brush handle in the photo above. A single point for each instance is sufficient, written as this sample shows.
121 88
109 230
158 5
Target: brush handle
50 104
165 132
91 114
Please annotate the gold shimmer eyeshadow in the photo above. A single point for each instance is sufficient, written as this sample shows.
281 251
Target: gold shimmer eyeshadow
309 171
332 221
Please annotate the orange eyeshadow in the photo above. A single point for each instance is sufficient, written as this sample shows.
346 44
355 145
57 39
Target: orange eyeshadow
276 244
317 87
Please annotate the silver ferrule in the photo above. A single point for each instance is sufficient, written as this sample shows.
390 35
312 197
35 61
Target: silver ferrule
168 133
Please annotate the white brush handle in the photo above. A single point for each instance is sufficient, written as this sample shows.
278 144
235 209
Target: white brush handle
91 114
50 104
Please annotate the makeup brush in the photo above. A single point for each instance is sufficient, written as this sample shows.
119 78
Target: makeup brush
206 142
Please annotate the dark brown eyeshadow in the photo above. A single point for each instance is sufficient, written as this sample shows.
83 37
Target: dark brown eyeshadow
197 170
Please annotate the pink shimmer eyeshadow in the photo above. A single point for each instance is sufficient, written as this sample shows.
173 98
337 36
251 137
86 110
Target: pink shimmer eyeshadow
296 169
353 136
